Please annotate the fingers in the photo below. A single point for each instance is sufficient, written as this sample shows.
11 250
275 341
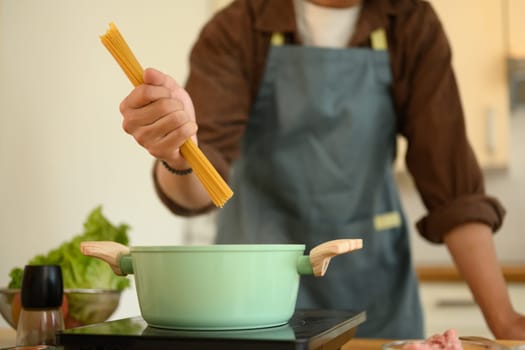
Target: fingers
159 115
167 147
157 78
142 96
148 114
164 137
156 85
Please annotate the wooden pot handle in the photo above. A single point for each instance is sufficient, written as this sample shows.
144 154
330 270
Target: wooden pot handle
107 251
320 255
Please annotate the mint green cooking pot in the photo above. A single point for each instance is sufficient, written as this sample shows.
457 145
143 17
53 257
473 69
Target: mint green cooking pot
217 287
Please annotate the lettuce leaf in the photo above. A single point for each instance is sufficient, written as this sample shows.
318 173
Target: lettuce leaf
78 270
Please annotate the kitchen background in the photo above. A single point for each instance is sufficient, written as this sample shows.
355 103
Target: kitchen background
63 152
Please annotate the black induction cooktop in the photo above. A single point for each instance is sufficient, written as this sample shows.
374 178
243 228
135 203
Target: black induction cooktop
307 329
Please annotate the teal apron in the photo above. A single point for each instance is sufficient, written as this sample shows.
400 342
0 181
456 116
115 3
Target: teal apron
316 165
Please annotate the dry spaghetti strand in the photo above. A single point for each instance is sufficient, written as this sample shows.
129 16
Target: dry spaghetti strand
214 184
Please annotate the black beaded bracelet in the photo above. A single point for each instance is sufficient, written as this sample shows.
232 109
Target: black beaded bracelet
176 171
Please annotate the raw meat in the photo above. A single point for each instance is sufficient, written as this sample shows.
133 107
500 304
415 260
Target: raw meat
446 341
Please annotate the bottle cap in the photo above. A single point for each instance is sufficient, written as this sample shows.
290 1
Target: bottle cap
42 287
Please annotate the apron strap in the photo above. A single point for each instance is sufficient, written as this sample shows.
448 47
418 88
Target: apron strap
378 39
277 39
386 221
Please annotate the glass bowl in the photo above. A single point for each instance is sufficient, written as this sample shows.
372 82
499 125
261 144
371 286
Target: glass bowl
420 345
80 306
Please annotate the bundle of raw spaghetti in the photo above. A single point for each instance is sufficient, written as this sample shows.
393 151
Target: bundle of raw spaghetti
217 188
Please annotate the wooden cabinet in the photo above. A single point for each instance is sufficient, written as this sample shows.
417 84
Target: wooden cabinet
450 305
476 30
514 10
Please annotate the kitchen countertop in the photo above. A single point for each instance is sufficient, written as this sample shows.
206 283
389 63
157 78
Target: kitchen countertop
449 273
8 336
375 344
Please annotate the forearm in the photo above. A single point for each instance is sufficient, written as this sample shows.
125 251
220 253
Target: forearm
472 248
185 190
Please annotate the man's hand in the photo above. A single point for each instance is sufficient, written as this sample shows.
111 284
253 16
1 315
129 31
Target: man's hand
160 116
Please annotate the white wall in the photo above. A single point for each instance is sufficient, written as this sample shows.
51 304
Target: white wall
62 149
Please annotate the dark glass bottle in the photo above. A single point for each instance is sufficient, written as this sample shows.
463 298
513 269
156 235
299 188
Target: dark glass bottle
41 315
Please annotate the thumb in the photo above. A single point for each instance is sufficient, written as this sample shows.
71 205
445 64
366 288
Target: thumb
157 78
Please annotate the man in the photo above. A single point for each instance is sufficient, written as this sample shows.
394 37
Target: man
303 101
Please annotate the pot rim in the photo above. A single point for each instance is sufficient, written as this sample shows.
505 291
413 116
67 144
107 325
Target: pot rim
219 248
7 290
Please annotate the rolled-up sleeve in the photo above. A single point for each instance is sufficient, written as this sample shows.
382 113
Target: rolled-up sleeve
439 156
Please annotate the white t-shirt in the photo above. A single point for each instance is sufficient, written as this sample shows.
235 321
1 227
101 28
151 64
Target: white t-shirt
325 26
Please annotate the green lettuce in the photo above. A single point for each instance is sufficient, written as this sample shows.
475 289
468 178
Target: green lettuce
78 270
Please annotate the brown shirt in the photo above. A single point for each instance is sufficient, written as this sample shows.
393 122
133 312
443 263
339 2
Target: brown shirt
227 64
